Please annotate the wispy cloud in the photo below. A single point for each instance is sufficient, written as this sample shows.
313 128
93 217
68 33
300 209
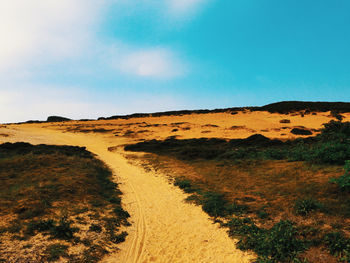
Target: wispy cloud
41 37
184 7
152 63
39 31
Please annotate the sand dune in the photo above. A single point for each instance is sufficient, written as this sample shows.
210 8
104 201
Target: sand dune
164 228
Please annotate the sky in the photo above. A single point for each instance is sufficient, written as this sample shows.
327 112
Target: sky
93 58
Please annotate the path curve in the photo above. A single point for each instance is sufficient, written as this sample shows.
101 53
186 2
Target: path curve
164 227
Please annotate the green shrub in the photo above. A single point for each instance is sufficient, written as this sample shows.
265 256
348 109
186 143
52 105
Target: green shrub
335 131
305 206
331 153
300 152
214 204
241 153
338 245
241 226
343 181
278 244
275 154
185 185
236 209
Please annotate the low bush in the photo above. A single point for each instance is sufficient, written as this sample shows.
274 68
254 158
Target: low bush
338 245
329 147
300 152
239 227
343 181
275 154
331 153
236 209
277 244
185 185
336 131
305 206
57 119
214 204
299 131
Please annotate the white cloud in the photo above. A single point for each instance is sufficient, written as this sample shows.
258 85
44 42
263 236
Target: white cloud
154 63
46 32
38 38
183 7
37 31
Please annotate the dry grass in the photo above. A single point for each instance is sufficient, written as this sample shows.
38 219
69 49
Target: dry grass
269 189
51 193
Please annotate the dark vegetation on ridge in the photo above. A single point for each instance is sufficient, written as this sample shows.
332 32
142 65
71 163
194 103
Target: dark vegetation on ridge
283 107
57 119
62 192
288 201
293 106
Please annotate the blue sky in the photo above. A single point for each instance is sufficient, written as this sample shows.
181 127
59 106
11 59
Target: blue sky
91 58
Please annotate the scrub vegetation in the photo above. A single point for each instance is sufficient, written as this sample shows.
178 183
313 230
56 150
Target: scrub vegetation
283 107
57 203
288 201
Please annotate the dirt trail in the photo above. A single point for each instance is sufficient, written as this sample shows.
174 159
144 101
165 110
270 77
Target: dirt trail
164 227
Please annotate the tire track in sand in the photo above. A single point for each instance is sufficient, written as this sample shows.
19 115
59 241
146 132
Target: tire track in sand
135 250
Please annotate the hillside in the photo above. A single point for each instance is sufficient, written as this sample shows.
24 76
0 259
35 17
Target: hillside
257 175
283 107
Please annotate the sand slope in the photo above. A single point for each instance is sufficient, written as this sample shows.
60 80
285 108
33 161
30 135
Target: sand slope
164 228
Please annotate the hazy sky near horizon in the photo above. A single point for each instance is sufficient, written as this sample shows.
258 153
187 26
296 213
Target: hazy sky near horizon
91 58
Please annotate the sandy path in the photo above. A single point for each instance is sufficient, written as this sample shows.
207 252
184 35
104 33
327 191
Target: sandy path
164 228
